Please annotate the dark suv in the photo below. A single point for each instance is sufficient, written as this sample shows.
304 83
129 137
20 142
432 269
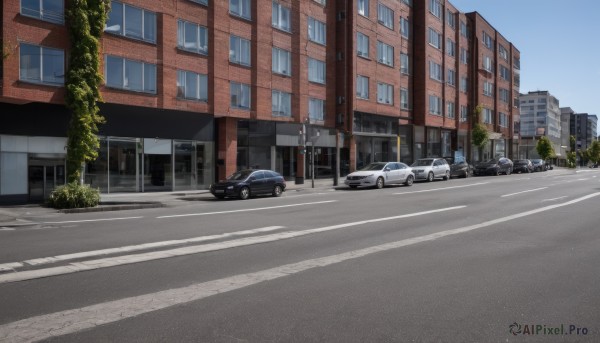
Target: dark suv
522 166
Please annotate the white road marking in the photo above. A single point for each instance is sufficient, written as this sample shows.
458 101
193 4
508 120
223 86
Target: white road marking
441 189
7 229
554 198
189 250
71 321
130 248
527 191
525 178
91 220
583 179
10 266
246 209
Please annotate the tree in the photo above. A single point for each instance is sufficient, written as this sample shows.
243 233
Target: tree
572 154
593 152
479 131
86 20
544 148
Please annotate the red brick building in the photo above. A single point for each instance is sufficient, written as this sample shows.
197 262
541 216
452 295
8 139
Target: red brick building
196 89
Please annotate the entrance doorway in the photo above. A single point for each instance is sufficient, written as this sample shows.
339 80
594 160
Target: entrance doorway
44 177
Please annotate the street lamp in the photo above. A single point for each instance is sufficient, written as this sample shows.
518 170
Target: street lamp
311 137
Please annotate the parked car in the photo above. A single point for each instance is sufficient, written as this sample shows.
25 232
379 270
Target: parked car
379 174
459 167
495 166
249 182
523 166
431 168
538 165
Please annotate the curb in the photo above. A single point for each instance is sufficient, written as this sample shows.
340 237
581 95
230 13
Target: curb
119 207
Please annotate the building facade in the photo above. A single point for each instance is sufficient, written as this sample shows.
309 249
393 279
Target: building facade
196 89
540 116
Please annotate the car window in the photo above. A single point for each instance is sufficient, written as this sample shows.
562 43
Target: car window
259 175
422 163
240 175
374 166
402 166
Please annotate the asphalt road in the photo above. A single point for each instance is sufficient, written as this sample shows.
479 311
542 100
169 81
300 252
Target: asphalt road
486 259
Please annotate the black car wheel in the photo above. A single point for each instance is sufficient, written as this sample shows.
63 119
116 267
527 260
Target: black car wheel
497 172
379 183
409 180
353 186
508 171
466 174
446 176
430 177
277 191
244 193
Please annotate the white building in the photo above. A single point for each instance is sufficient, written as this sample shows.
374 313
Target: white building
540 116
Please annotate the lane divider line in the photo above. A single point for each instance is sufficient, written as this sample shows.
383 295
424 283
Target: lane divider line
246 209
91 220
190 250
441 189
70 321
527 191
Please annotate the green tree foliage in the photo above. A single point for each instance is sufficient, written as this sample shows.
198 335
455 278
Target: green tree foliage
479 131
594 152
572 155
544 148
86 20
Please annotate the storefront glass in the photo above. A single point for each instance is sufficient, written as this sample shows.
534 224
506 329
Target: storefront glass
123 169
433 142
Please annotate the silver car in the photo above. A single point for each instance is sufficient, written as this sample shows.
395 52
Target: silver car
379 174
431 168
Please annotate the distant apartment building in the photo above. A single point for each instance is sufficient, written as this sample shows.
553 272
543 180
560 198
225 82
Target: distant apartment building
194 90
540 116
584 127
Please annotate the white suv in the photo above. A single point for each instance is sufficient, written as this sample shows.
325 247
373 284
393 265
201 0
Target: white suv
430 169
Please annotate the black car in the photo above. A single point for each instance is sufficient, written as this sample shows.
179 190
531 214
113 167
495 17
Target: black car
249 182
459 167
522 166
538 165
495 166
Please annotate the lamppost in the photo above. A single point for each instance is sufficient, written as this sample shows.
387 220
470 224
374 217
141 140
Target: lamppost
312 137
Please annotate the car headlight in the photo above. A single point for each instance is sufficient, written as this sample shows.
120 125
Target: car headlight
229 187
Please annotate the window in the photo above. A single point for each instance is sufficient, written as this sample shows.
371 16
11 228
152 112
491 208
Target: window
435 71
435 38
201 2
385 54
240 8
404 27
464 84
487 64
316 109
487 40
503 52
322 2
408 2
450 110
464 56
281 104
240 95
239 50
517 63
450 47
48 10
385 16
281 62
451 77
435 8
192 37
316 31
435 105
41 65
404 64
363 7
504 95
451 19
464 30
192 86
503 119
385 93
517 79
404 99
488 88
281 17
132 22
362 87
316 71
504 73
362 45
488 116
130 75
464 113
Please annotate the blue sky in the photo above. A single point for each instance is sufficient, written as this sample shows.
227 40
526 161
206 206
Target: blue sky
559 44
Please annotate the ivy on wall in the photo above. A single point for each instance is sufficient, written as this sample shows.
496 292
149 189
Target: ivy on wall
86 20
479 131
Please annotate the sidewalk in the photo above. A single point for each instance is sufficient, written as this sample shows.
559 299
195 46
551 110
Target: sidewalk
16 215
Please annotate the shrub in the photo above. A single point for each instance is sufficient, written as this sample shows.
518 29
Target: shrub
73 195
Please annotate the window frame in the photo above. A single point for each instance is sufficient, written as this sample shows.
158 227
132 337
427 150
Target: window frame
320 74
124 71
320 115
360 40
434 38
287 106
362 87
364 7
388 89
435 8
245 9
436 71
385 16
435 105
201 85
383 52
317 31
240 96
277 9
201 35
278 52
42 14
41 69
405 64
122 29
237 42
405 103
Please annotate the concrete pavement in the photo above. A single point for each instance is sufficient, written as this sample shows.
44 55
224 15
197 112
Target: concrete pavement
16 215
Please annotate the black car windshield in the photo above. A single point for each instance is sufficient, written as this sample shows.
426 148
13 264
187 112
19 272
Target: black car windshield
422 163
521 162
493 160
240 175
373 166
